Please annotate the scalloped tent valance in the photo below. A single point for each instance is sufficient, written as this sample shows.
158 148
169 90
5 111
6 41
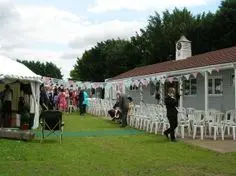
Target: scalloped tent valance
11 69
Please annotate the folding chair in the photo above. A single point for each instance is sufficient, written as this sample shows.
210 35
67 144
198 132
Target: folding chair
51 121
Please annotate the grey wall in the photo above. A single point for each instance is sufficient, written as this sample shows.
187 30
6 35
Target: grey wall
147 97
222 103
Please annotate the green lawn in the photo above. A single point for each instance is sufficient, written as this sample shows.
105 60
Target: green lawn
109 155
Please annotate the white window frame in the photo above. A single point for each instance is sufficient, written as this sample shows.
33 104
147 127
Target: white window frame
190 88
213 78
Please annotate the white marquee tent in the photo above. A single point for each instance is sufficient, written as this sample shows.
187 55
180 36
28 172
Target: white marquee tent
11 70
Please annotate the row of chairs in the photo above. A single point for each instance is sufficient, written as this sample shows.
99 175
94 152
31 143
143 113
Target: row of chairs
153 118
100 107
191 122
214 121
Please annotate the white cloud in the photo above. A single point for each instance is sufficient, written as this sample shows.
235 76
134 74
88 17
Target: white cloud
27 30
30 31
106 30
141 5
72 54
43 56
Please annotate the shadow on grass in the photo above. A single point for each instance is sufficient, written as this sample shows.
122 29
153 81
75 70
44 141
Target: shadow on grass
154 141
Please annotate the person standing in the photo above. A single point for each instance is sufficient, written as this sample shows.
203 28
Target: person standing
81 100
124 107
44 100
85 102
171 103
62 101
74 99
67 94
7 104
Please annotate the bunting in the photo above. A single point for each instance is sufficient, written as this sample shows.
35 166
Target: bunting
209 71
162 80
170 79
195 74
217 69
145 82
136 83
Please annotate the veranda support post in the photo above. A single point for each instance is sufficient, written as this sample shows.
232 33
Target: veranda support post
141 93
162 92
181 93
235 87
206 93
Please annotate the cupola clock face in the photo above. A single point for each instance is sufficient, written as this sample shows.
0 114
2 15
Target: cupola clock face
179 46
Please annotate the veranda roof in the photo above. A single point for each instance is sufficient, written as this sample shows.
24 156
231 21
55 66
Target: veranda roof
222 56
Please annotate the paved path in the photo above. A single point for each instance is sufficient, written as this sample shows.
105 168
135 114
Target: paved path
218 145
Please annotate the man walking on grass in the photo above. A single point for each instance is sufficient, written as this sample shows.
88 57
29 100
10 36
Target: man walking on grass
123 104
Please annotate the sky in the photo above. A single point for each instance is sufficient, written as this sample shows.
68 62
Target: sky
59 31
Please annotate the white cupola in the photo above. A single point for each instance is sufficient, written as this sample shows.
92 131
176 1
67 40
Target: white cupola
183 48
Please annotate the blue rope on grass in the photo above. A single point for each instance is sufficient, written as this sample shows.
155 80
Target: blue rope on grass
96 133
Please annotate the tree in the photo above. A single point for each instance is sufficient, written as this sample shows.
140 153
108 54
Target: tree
47 69
105 60
156 42
225 25
161 35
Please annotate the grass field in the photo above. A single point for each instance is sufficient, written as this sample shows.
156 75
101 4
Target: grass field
118 154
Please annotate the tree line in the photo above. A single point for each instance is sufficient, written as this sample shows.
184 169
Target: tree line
47 69
156 42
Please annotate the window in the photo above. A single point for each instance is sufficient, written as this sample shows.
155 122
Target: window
190 87
215 86
154 87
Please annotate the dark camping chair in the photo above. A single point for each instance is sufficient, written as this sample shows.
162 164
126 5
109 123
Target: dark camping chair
51 121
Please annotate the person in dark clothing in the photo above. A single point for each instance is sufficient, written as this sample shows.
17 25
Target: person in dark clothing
171 103
21 105
50 100
44 101
81 99
7 105
124 107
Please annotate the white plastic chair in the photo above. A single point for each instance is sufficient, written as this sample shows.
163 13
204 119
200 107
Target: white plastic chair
217 124
198 122
229 120
183 121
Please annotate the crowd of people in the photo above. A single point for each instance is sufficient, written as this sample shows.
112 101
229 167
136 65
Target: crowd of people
62 99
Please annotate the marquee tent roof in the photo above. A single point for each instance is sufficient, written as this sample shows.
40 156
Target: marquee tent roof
11 69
